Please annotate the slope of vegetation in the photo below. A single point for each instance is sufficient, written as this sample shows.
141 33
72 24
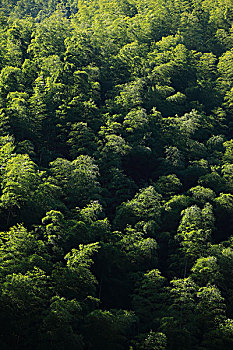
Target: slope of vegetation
116 168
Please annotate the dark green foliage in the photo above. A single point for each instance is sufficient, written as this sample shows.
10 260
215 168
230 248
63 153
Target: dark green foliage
116 174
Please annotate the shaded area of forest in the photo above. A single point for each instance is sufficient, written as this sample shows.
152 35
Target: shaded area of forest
116 169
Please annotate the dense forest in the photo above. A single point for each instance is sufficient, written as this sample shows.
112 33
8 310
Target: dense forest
116 172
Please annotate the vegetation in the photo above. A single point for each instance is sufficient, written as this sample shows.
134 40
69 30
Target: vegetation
116 169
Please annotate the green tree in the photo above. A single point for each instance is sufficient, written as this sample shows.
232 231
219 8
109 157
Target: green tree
23 301
61 326
148 299
108 329
78 179
19 182
144 207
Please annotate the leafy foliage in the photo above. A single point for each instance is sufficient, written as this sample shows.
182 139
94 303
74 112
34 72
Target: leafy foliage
116 160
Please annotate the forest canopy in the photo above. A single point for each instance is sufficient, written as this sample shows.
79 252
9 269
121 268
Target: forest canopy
116 173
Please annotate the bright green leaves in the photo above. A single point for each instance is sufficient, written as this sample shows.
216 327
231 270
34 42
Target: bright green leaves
132 56
21 122
131 95
10 80
79 280
19 181
18 38
201 195
225 80
139 251
194 218
130 104
24 186
82 257
145 207
195 229
206 270
168 185
49 37
211 305
195 309
21 251
26 290
77 178
55 231
154 341
6 151
135 120
228 155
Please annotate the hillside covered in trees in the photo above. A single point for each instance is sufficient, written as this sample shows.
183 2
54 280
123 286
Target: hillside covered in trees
116 172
